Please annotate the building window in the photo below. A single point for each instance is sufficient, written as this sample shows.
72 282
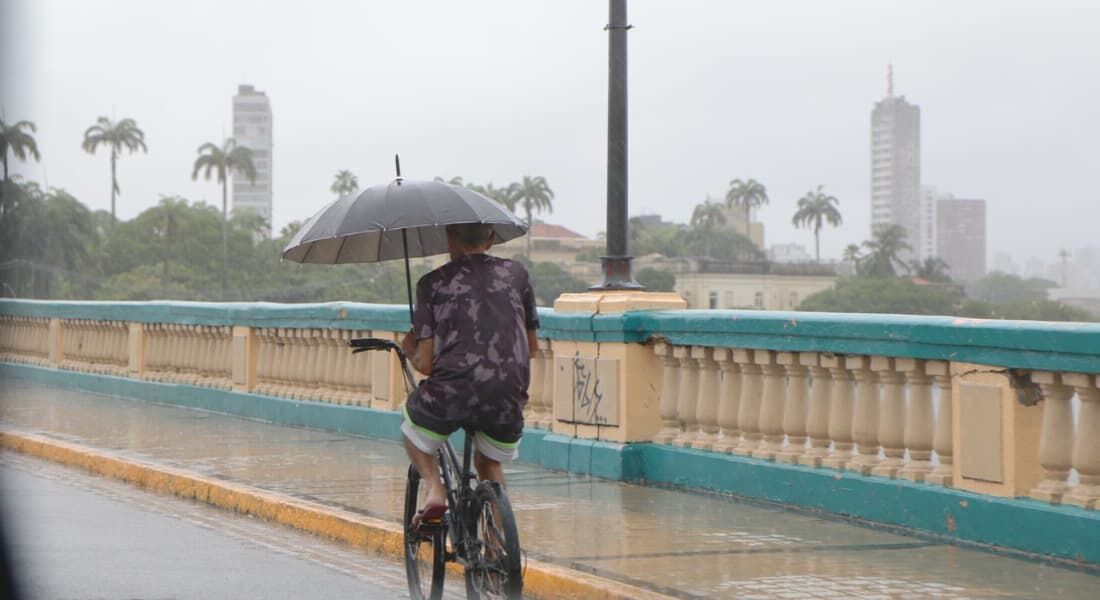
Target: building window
712 300
758 301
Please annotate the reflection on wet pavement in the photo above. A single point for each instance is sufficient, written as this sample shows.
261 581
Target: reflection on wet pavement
684 544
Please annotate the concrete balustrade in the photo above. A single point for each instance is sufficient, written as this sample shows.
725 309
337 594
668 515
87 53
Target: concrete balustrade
973 405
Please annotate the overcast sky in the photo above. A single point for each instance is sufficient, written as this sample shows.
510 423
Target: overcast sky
779 91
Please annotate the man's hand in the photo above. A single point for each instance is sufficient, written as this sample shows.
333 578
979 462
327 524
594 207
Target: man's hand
419 352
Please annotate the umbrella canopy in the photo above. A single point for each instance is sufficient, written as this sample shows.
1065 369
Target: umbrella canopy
403 219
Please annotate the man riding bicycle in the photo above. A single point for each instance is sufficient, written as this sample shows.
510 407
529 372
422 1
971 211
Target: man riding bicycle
473 335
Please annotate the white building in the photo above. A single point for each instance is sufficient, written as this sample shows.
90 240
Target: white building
252 129
789 253
895 166
928 199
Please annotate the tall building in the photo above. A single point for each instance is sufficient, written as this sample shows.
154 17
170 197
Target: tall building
895 165
960 236
252 129
928 199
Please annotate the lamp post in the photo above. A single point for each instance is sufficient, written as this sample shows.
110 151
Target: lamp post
617 269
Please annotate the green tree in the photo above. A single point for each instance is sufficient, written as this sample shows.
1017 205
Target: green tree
884 295
221 162
535 195
747 195
814 210
18 138
344 183
1029 310
507 196
883 252
851 254
705 219
931 268
656 280
1004 288
124 134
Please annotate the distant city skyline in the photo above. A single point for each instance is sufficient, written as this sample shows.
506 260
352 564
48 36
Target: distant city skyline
1007 103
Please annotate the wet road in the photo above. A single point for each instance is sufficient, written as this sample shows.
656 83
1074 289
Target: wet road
688 545
77 536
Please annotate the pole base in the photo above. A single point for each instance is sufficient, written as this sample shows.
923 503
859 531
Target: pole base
618 274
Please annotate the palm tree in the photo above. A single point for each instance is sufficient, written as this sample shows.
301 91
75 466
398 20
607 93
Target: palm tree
705 219
814 210
123 134
534 194
851 253
222 161
932 268
17 137
345 183
747 195
883 252
507 197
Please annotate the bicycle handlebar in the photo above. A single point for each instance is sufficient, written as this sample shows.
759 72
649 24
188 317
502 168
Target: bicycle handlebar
365 344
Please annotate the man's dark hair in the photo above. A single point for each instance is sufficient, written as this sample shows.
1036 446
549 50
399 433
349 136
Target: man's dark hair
472 234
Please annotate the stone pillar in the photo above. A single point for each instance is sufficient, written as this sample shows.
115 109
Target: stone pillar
687 397
534 411
729 393
748 411
706 410
135 345
1086 446
1056 438
670 385
942 438
841 411
817 416
865 420
891 423
918 420
772 406
245 358
794 412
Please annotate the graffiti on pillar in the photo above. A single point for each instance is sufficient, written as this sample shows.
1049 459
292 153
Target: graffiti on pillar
588 390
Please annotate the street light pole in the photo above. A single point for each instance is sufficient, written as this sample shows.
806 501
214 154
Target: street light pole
617 270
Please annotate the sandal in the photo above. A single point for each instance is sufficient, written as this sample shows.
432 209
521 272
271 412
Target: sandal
429 514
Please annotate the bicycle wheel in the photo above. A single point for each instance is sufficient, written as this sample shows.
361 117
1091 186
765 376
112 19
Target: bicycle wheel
496 572
425 547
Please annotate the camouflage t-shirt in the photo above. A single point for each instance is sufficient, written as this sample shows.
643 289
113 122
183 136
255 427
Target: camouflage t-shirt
478 310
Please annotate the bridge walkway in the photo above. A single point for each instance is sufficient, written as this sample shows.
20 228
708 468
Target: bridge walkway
684 544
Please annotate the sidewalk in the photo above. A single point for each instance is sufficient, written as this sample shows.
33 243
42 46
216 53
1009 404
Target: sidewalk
681 544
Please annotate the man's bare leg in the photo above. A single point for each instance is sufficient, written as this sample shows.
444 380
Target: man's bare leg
428 468
488 469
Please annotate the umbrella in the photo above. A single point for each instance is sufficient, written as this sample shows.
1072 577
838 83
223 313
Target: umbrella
402 219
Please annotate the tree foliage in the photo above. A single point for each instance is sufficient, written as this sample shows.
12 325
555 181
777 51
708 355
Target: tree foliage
656 280
999 287
19 139
345 182
118 136
814 210
884 295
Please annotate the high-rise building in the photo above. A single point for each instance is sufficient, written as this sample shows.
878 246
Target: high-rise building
252 129
895 166
960 236
928 200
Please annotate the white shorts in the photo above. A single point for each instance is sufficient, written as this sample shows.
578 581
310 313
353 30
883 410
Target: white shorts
429 441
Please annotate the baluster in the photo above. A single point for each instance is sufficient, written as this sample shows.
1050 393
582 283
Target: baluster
817 415
670 386
330 359
1056 438
729 400
548 384
347 370
772 406
533 416
364 382
224 359
841 411
312 379
865 419
748 409
918 420
280 353
891 424
706 409
687 397
942 439
794 413
1086 448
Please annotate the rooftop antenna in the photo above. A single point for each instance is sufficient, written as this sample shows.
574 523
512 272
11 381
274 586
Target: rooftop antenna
890 80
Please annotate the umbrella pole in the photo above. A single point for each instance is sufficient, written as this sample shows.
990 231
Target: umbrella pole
408 273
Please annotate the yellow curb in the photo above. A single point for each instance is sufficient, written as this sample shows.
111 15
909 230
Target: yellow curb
541 580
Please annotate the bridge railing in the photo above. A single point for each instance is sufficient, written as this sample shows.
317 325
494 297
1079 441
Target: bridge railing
996 407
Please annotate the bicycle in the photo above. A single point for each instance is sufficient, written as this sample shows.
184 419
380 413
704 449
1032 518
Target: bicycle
478 524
